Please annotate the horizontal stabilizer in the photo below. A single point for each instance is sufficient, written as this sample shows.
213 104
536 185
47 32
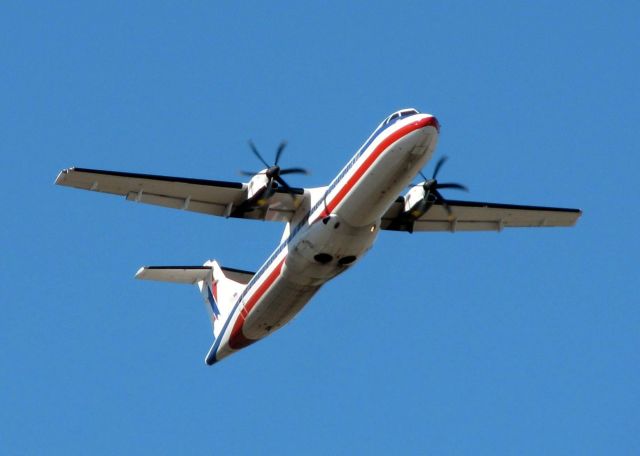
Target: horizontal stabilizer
176 274
220 289
237 275
190 274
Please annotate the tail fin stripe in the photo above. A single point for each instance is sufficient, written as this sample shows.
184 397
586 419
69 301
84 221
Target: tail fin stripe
212 302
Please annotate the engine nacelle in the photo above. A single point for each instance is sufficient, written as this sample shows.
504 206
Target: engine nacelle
257 186
417 202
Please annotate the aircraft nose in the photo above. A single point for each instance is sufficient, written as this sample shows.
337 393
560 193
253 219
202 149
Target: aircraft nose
427 120
430 121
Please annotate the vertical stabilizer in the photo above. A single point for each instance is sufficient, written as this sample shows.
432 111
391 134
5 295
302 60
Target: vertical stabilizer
219 293
220 287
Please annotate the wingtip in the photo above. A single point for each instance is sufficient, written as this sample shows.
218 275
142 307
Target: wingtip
140 273
60 178
578 216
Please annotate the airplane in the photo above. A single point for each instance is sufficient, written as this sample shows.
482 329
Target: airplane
327 229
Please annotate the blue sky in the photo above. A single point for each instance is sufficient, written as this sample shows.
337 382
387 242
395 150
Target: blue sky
523 342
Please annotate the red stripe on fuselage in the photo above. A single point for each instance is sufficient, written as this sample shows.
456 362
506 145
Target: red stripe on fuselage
237 339
373 156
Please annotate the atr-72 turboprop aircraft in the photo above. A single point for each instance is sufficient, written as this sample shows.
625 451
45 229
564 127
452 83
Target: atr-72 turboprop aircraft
327 228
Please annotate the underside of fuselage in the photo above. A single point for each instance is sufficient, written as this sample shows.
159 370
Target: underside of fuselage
336 232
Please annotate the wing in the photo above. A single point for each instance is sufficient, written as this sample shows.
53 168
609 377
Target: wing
228 199
476 216
190 274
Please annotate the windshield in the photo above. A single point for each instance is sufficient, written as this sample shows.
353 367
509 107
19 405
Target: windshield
401 114
408 112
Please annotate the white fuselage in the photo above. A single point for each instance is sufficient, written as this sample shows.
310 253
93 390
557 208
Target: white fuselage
330 231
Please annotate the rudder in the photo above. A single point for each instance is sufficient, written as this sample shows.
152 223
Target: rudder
220 291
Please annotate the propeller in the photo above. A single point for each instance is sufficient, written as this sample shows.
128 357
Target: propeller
274 172
431 186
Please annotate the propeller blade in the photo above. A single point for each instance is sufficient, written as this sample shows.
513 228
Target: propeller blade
254 149
281 147
294 171
273 172
423 176
453 185
446 206
286 186
438 166
269 187
442 200
282 182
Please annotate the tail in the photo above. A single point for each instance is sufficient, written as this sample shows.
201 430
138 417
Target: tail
219 286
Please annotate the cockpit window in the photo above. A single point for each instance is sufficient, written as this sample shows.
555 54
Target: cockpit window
393 117
408 112
400 114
